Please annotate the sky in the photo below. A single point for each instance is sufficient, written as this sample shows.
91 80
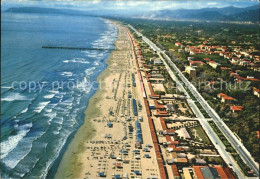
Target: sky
123 5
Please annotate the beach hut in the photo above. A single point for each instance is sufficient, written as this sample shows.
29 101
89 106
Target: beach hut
109 124
149 145
118 165
137 172
136 151
146 150
112 156
102 174
147 156
108 136
117 176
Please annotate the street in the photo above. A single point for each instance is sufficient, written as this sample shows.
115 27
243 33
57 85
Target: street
238 146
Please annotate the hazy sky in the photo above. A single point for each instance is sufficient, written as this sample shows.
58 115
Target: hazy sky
125 5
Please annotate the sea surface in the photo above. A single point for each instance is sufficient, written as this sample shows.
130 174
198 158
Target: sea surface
44 92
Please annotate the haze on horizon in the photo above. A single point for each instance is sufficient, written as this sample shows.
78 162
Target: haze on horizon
125 7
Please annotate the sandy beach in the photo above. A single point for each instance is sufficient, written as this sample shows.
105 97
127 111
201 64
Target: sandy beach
104 145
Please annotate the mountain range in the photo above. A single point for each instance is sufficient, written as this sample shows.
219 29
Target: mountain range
230 13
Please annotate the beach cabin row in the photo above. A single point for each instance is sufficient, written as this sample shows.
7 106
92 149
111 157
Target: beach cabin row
133 80
134 107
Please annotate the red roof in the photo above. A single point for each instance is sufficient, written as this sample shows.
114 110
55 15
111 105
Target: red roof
198 172
196 62
175 171
225 68
236 108
226 97
207 59
228 173
170 130
256 90
222 94
221 172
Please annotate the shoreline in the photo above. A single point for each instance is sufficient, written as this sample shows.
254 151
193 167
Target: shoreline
109 143
69 166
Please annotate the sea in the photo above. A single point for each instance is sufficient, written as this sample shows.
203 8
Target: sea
45 91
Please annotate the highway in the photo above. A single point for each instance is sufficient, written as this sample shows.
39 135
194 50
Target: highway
238 146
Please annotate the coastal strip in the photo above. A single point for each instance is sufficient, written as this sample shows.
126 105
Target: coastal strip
116 125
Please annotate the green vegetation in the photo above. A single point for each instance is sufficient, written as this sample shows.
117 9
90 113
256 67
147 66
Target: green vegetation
230 149
200 134
236 38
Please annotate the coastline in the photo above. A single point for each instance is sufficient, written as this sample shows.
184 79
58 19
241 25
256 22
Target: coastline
112 123
70 165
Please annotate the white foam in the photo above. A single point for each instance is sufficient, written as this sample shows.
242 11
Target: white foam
51 116
14 97
65 73
77 60
41 106
12 141
49 96
96 63
55 92
17 154
25 110
90 71
6 87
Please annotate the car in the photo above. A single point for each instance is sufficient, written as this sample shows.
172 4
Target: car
230 164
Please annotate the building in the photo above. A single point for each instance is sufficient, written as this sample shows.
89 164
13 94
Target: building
209 172
178 44
158 62
191 71
225 98
175 172
196 63
236 108
216 172
190 58
256 92
213 64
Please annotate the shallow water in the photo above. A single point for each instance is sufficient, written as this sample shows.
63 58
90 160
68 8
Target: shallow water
44 92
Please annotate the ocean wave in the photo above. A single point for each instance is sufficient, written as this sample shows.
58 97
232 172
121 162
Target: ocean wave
52 91
90 71
65 73
84 85
77 60
14 96
108 37
19 153
49 163
49 96
6 87
12 141
25 110
50 116
41 106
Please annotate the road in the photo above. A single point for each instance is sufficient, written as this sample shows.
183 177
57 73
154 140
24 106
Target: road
238 146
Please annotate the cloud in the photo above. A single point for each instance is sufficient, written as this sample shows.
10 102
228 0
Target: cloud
212 3
134 5
96 1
